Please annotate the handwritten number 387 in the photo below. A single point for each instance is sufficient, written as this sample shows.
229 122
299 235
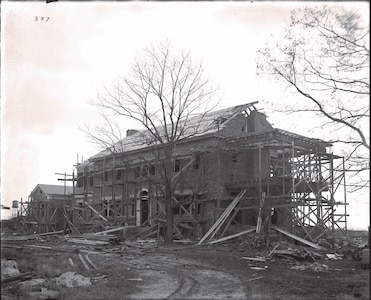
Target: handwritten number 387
42 19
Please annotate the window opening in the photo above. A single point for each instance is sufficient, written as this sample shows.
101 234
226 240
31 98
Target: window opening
196 163
152 170
234 157
177 166
118 174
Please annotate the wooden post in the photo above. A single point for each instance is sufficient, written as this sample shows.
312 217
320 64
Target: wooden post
293 199
345 199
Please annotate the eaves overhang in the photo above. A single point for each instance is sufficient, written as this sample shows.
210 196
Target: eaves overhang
276 136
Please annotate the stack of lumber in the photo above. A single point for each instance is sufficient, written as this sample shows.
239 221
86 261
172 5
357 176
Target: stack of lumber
93 239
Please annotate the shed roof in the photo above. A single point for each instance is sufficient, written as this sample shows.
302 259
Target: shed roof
51 189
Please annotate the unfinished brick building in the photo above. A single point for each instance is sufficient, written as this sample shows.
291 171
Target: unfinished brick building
238 165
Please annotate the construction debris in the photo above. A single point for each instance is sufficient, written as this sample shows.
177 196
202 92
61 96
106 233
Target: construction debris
9 268
255 278
334 256
316 267
72 279
318 247
33 282
15 278
44 293
259 268
261 259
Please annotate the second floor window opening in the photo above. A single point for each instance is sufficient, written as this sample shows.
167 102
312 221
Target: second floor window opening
118 174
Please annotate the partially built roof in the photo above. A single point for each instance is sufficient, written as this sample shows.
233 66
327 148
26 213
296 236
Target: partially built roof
204 125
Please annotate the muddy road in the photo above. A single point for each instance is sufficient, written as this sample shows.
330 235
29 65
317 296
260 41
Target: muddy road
170 277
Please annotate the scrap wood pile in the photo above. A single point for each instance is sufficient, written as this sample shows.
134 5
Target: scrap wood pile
94 239
107 241
288 252
350 248
294 253
137 247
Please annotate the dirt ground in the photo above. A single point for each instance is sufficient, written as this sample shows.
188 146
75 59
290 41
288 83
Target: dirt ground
178 271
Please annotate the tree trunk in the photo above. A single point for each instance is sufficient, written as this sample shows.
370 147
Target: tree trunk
169 193
169 218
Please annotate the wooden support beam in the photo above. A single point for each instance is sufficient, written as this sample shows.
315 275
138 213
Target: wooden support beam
137 235
185 210
261 207
318 247
212 231
15 278
183 169
300 223
71 224
99 215
237 210
90 262
112 230
111 209
51 218
232 236
83 262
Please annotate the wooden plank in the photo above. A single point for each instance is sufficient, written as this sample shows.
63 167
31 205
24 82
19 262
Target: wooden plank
259 222
70 223
28 237
185 210
222 218
71 262
183 169
260 259
88 242
16 277
236 211
228 212
49 233
142 232
270 253
315 246
95 211
150 234
51 218
38 246
90 262
255 278
300 223
232 236
83 262
112 230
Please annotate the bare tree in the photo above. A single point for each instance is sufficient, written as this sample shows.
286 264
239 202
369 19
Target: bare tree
324 57
163 94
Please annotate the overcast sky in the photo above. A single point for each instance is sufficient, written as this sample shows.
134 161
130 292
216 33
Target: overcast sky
51 68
